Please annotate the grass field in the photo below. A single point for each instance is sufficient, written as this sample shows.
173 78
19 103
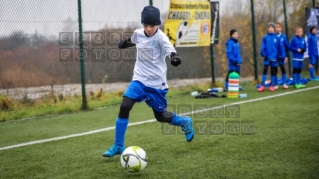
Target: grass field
285 143
52 104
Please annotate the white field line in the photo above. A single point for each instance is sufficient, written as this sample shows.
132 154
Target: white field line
152 120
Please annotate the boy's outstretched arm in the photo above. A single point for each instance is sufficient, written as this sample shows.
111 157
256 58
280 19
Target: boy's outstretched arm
126 43
170 51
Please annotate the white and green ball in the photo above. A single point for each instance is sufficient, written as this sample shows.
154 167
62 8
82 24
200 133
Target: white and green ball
133 159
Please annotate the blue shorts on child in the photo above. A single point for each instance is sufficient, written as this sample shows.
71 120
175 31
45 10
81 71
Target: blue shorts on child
297 63
272 63
154 98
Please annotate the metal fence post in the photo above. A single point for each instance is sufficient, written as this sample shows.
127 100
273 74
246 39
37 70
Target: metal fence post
314 6
286 31
212 66
254 40
84 101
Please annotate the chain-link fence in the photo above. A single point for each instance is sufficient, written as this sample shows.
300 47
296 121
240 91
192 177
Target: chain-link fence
237 14
39 46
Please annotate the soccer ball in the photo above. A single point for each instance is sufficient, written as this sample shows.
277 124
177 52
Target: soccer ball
133 159
182 31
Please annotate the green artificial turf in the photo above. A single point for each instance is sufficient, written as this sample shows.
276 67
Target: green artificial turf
283 143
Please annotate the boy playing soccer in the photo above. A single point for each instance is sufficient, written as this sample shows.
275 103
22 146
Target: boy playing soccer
271 49
282 61
233 55
313 52
298 47
149 78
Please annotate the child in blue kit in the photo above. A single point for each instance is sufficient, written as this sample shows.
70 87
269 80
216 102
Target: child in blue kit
149 79
233 55
271 49
298 46
312 52
282 61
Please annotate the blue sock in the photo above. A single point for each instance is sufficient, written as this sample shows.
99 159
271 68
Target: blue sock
276 80
178 120
226 85
284 78
263 78
312 72
273 80
294 76
120 129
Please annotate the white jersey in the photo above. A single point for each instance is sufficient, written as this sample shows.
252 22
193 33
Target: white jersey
150 66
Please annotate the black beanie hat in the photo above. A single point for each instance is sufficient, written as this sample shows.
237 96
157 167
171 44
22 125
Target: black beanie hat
151 16
312 27
232 32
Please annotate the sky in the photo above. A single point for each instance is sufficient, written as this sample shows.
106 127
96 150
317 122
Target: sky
46 16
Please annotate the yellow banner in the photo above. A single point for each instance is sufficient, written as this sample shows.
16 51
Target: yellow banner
188 23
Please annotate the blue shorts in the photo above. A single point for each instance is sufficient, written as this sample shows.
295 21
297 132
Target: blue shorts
312 60
154 98
271 63
297 64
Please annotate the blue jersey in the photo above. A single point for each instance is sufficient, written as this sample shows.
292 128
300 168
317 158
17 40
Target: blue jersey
284 41
272 48
233 52
312 45
295 44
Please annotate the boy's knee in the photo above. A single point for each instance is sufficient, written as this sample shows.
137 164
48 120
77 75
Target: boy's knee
273 71
265 69
125 107
159 118
163 116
